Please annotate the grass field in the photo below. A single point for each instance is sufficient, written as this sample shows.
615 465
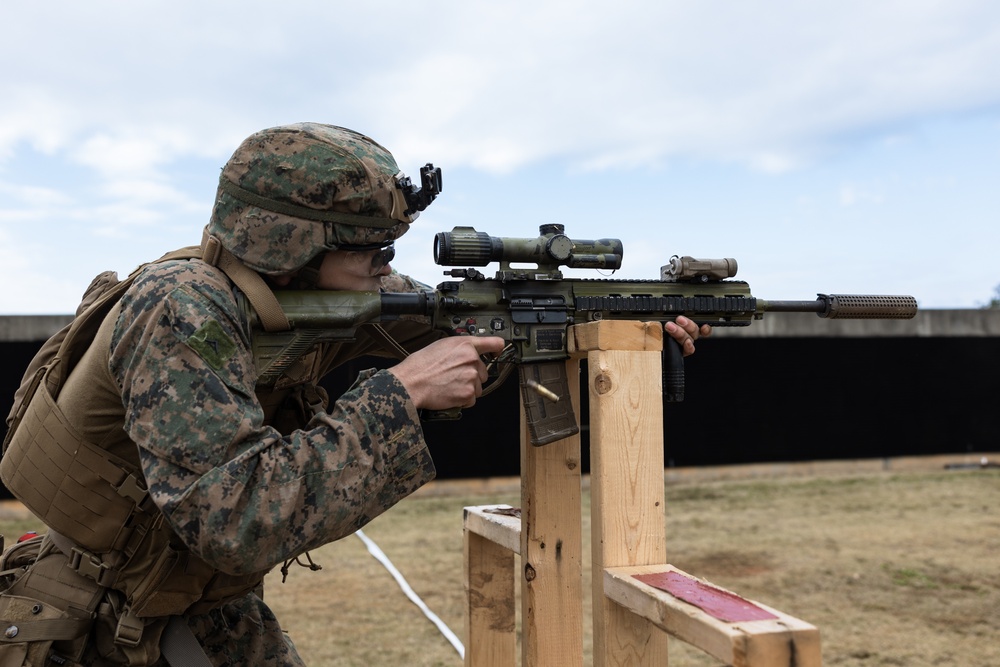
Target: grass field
894 568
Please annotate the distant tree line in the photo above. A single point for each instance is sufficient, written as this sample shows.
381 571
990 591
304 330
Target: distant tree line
995 301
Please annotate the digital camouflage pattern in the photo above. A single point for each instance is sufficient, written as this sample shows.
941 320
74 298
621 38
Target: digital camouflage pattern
249 479
238 492
245 632
242 632
287 178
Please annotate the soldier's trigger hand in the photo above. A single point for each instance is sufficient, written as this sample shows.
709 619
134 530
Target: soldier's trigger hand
448 373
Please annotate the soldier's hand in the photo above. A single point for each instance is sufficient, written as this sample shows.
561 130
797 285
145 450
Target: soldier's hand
686 332
448 373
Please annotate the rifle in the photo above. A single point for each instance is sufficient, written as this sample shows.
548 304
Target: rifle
532 309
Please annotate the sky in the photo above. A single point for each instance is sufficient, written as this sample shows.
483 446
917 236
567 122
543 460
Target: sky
830 147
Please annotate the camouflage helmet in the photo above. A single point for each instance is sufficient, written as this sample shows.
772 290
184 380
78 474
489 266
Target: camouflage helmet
292 192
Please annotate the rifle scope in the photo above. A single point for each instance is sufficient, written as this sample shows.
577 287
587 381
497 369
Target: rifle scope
464 246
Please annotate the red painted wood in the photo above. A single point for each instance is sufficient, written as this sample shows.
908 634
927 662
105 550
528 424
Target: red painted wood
718 603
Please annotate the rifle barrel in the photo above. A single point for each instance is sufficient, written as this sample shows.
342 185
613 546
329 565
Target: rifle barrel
848 307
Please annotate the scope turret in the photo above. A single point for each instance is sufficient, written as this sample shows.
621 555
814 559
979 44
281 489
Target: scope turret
464 246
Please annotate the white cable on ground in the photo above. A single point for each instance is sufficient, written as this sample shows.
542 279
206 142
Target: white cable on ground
380 556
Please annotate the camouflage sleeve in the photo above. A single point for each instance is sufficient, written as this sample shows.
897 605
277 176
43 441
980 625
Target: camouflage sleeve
238 493
400 282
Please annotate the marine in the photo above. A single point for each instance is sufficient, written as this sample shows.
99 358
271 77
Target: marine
170 482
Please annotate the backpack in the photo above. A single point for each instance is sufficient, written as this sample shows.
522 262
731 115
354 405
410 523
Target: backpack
61 352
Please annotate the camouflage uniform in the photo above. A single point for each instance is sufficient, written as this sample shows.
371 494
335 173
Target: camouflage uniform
239 493
246 479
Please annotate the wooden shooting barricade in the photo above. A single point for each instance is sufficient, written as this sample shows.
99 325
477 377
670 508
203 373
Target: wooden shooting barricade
638 599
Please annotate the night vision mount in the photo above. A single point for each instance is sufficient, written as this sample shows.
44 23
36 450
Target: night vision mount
417 199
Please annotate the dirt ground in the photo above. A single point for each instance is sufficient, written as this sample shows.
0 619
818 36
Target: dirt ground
897 569
894 568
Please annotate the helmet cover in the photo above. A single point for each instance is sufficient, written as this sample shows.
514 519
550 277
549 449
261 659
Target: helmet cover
291 192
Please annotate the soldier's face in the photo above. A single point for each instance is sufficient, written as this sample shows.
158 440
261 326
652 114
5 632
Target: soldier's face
347 270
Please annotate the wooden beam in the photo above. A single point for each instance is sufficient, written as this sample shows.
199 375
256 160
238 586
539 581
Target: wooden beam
615 335
551 551
638 598
737 631
626 463
490 623
498 523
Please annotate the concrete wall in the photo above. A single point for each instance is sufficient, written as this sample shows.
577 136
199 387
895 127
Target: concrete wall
30 328
931 323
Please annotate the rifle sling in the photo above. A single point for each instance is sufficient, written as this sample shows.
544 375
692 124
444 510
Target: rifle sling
180 647
383 338
264 303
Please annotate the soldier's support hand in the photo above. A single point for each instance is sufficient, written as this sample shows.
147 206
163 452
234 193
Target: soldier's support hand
686 332
447 373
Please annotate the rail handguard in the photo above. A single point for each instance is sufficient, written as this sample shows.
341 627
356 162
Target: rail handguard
532 309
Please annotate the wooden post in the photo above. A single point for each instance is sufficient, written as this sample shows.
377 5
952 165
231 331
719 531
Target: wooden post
626 485
551 546
492 539
637 597
489 603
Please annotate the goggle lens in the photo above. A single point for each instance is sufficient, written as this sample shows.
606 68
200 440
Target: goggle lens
383 257
385 253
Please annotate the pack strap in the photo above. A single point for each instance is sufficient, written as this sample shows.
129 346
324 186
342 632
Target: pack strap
84 324
178 644
87 321
83 562
385 339
52 629
266 305
180 647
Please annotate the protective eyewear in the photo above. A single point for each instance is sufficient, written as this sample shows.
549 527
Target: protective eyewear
385 253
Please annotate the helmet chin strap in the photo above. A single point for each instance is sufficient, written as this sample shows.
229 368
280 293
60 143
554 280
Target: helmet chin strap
308 276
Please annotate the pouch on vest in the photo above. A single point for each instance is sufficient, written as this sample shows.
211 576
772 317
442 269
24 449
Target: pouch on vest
15 560
48 609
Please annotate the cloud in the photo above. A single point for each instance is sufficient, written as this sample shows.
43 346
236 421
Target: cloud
766 84
770 85
30 201
118 116
121 157
850 195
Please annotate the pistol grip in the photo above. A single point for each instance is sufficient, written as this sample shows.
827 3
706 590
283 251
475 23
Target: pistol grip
451 414
547 420
673 371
